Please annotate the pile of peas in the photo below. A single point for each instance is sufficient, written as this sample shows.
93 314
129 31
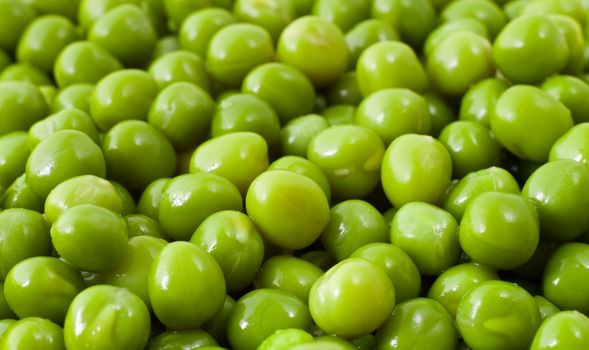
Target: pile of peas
294 174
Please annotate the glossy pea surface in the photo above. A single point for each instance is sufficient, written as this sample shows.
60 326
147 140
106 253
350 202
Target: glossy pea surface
304 167
21 105
296 135
31 333
289 273
478 103
68 119
572 145
177 66
198 29
563 330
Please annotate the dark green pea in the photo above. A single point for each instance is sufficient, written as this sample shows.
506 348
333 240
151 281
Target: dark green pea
181 340
217 326
343 14
564 330
67 119
441 113
179 66
84 62
345 90
165 45
198 29
458 25
533 269
478 104
178 10
73 96
33 333
296 135
272 15
16 15
572 92
419 323
149 201
127 33
143 225
25 72
339 114
488 12
14 153
42 287
5 60
546 308
414 20
21 105
20 195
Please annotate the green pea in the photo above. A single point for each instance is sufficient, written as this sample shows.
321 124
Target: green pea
546 308
450 286
273 15
233 240
574 9
286 339
182 269
73 96
20 195
398 266
127 199
465 24
235 50
67 8
84 62
305 167
312 36
488 12
198 29
217 326
415 168
297 134
345 90
441 113
565 277
419 323
364 34
350 156
289 273
527 121
67 119
5 323
515 8
339 114
5 59
106 317
564 330
13 156
178 10
90 11
143 225
165 45
390 64
187 200
191 339
261 312
289 209
572 145
179 66
149 202
478 104
572 92
122 95
21 105
343 14
573 34
25 72
6 312
127 33
33 333
42 287
16 16
499 230
497 315
413 19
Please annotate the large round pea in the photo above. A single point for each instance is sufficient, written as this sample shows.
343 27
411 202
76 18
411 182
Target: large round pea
353 298
178 10
415 168
25 72
179 66
16 15
560 191
67 119
198 29
497 315
191 339
187 200
488 12
499 230
183 113
84 62
73 96
572 92
394 112
273 15
478 104
366 33
149 201
186 286
20 195
127 33
297 134
14 152
24 234
419 323
33 333
290 209
565 277
233 240
530 48
397 265
527 121
574 145
449 288
260 313
63 155
428 234
122 95
465 24
352 224
390 64
42 287
350 156
311 36
21 105
105 317
565 330
235 50
136 154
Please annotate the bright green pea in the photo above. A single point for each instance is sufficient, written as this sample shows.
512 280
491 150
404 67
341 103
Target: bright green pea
127 33
413 20
527 121
345 90
33 333
122 95
20 195
73 96
419 323
499 230
235 50
565 277
261 312
350 156
441 113
297 134
398 266
573 34
366 33
415 168
515 8
390 64
546 308
191 339
233 240
339 114
105 317
305 167
574 145
217 326
198 29
564 330
179 66
165 45
21 105
465 24
478 104
187 200
14 152
286 339
149 201
352 299
571 92
449 288
24 233
25 72
182 269
83 62
67 119
289 273
530 48
488 12
497 315
90 11
42 287
178 10
394 112
428 234
273 15
312 36
289 209
344 14
143 225
16 15
573 8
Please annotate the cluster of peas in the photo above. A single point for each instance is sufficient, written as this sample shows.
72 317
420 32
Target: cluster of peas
294 174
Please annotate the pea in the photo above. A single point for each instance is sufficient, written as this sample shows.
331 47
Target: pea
198 28
547 309
25 72
572 145
304 167
178 10
149 201
5 59
286 338
5 324
574 9
89 11
339 114
31 333
21 105
478 103
515 8
343 14
127 199
217 326
13 156
20 195
440 33
441 113
67 119
16 16
273 15
488 12
5 312
564 330
419 322
73 96
165 45
573 33
183 339
572 92
179 66
297 134
106 317
143 225
345 90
